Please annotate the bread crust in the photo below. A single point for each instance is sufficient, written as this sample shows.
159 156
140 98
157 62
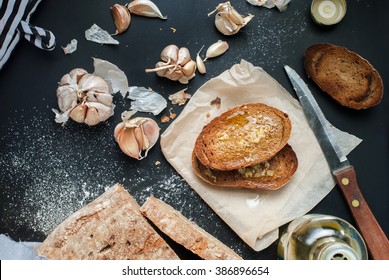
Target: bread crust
185 232
110 227
243 136
346 76
269 175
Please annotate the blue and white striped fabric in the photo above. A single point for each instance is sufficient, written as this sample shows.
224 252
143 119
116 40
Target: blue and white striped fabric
15 23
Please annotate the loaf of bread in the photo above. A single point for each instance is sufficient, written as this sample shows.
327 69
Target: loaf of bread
110 227
185 232
268 175
242 136
346 76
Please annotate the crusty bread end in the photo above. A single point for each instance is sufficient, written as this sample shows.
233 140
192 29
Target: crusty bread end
185 232
110 227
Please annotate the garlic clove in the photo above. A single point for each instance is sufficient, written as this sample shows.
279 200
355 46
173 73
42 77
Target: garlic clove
145 8
170 54
151 132
216 49
200 63
78 113
92 82
137 135
183 56
92 116
225 25
236 17
122 18
118 129
127 142
174 75
189 68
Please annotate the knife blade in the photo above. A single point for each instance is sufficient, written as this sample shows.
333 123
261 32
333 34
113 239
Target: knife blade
343 172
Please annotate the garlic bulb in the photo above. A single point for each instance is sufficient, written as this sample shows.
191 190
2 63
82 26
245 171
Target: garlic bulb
176 64
216 49
227 20
137 136
122 18
83 97
144 8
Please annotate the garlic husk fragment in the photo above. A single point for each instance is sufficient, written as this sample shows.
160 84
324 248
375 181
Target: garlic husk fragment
176 64
227 20
145 8
179 97
122 18
280 4
71 47
137 136
200 63
83 97
216 49
98 35
111 73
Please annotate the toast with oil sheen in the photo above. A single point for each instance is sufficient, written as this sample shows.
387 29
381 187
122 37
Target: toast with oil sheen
346 76
268 175
243 136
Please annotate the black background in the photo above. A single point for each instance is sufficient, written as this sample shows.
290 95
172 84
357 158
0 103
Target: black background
46 170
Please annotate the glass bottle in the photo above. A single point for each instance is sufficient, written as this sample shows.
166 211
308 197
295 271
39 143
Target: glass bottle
321 237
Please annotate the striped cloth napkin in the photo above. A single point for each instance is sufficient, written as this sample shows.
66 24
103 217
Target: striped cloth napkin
15 23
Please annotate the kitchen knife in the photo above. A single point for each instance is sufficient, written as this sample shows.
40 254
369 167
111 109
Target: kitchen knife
344 173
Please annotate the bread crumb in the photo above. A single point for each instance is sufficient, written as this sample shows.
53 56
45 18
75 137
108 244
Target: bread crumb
165 119
216 102
157 163
172 115
208 114
173 29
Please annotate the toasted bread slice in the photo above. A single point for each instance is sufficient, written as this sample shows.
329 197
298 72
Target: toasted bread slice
185 232
110 227
243 136
346 76
269 175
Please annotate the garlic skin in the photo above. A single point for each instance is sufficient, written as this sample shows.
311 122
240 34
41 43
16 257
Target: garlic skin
176 64
145 8
122 18
84 97
227 20
137 136
216 49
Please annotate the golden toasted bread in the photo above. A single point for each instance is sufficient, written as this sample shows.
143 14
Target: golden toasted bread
268 175
346 76
243 136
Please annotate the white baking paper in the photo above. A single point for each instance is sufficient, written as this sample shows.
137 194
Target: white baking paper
253 214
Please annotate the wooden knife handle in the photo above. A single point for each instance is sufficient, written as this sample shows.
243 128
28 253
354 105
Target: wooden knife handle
376 241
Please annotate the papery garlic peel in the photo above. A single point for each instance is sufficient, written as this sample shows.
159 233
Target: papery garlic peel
85 98
176 64
137 136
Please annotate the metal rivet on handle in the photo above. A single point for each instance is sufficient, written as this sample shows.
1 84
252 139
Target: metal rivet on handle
355 203
345 181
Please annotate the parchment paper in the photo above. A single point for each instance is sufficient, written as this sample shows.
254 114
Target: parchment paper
254 215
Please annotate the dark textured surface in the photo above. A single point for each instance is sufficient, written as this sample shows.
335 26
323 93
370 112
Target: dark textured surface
48 171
